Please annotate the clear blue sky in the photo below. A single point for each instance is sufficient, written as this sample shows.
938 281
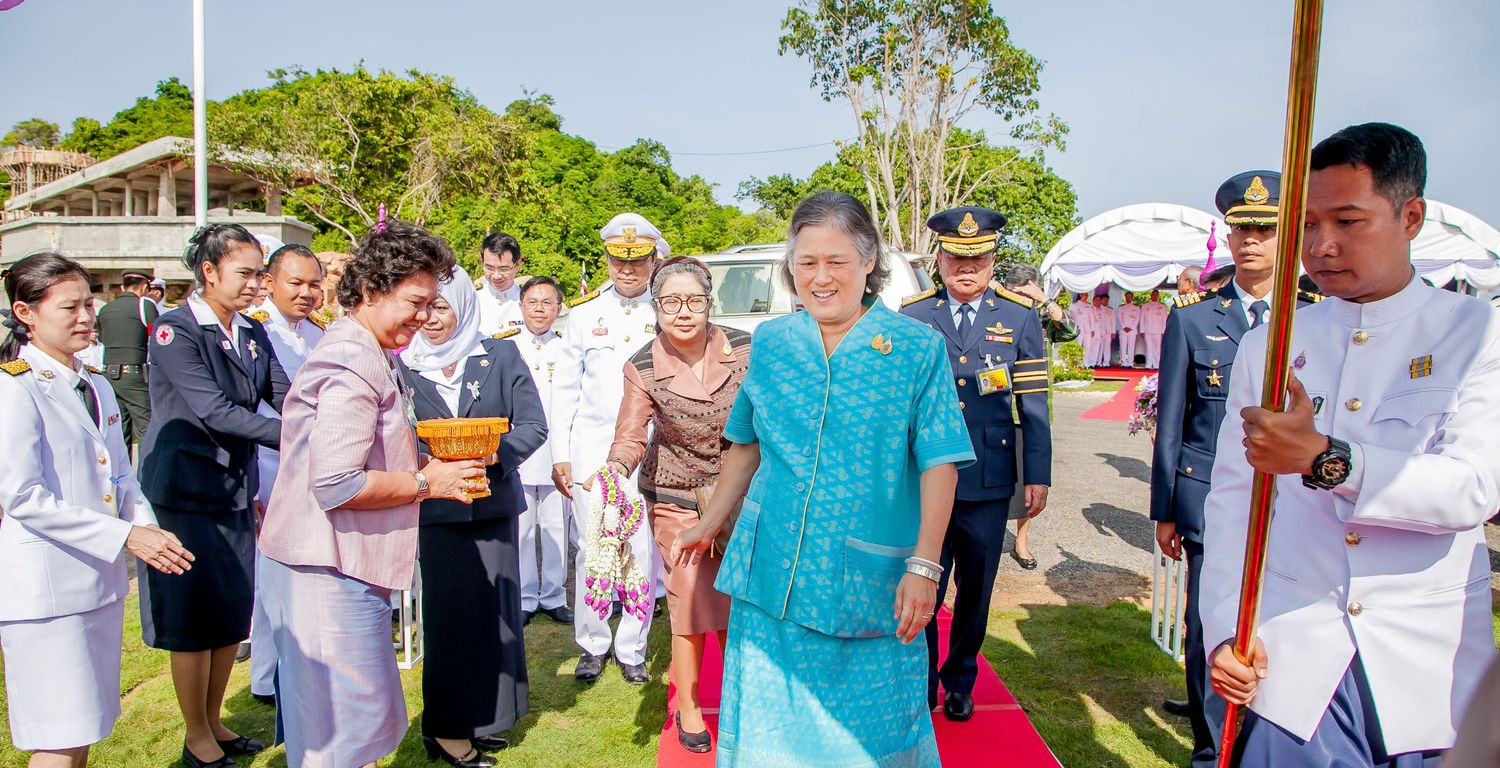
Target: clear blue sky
1165 99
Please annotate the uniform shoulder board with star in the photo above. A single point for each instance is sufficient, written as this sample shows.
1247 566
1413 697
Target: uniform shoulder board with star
1188 299
478 283
318 321
587 297
260 316
93 370
507 333
1310 297
1001 291
916 297
15 367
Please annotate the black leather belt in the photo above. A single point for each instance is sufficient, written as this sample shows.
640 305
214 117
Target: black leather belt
116 369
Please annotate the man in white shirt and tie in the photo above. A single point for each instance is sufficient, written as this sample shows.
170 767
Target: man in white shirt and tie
294 280
547 510
499 295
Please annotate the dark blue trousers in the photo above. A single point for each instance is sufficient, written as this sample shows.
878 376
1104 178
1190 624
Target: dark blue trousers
971 556
1205 708
1348 736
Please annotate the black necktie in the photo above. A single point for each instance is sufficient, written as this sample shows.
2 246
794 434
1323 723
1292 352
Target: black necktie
965 322
1258 313
86 391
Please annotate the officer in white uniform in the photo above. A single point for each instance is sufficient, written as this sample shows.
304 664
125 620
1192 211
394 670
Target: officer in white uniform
1104 321
295 279
547 510
498 291
1129 316
72 507
1083 318
1153 325
1375 618
604 329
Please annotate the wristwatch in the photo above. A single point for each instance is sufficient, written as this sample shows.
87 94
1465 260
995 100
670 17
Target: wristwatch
1331 467
422 490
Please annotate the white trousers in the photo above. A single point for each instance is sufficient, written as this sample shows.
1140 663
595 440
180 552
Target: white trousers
1127 348
1103 346
591 632
545 518
1153 350
262 649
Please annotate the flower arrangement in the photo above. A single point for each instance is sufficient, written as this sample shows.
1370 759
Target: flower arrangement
612 573
1143 418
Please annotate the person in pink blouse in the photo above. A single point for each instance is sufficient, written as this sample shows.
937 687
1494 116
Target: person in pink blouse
341 530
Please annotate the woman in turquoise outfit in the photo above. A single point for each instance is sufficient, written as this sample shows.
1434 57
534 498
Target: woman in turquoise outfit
847 439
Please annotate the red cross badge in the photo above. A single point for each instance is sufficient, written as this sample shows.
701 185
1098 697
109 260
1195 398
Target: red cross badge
164 335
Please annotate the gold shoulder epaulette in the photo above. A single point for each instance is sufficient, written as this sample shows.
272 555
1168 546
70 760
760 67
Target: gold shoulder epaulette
478 283
1003 293
587 297
507 333
15 367
1311 297
93 370
318 321
916 297
259 316
1184 299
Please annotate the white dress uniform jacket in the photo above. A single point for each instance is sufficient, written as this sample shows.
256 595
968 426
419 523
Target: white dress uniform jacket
69 495
1393 563
1153 325
541 354
291 343
1084 319
547 511
1104 321
499 310
1129 317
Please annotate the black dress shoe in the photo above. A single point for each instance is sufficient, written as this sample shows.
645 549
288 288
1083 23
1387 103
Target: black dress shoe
562 614
241 745
242 653
191 760
474 759
1026 563
526 618
268 699
490 743
590 667
958 707
693 742
1176 707
635 674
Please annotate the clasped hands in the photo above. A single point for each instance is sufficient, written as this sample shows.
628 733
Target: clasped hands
457 480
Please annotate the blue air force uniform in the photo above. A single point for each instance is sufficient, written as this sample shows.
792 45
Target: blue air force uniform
1000 371
1197 356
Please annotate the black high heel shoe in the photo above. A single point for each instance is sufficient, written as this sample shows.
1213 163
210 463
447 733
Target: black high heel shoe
490 743
192 761
693 742
474 759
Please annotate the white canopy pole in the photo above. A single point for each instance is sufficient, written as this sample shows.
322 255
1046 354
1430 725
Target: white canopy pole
200 123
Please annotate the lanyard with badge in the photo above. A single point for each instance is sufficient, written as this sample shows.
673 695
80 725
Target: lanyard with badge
993 377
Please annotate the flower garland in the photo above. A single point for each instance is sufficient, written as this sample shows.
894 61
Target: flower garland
616 512
1143 417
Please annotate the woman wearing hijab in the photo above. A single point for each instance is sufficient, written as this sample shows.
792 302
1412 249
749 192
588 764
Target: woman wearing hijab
474 669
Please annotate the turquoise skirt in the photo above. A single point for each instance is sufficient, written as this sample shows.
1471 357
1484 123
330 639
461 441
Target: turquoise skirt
796 697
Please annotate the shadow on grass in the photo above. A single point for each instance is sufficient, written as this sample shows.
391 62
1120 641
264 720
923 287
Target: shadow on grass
1091 681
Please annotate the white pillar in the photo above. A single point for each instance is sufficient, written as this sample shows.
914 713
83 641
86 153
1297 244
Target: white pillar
200 122
129 200
166 194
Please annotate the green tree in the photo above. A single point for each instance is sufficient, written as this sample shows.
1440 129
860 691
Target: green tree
36 133
910 71
168 113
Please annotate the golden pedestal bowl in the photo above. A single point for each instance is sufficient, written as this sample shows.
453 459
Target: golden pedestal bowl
462 439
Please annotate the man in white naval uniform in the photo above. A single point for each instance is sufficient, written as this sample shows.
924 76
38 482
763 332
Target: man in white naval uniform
1083 318
1129 316
604 329
547 510
1375 620
499 294
1153 325
295 279
1104 321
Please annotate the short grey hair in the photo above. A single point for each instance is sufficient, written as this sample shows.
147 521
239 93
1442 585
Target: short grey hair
848 215
682 266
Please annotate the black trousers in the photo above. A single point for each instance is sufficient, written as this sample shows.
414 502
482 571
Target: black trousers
1205 708
135 405
971 556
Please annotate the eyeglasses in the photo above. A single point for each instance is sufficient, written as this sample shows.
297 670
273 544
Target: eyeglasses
500 270
539 304
672 304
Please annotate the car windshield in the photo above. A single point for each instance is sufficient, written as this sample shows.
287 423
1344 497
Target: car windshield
748 289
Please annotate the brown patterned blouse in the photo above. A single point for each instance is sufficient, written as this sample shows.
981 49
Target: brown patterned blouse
685 449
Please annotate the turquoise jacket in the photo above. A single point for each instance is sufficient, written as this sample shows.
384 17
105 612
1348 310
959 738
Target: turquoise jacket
833 511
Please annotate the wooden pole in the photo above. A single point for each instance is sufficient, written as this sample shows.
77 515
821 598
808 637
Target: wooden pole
1307 31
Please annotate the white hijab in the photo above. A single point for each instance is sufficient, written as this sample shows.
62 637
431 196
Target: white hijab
423 355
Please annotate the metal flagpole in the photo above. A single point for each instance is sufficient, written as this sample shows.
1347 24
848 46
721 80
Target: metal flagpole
1307 30
200 123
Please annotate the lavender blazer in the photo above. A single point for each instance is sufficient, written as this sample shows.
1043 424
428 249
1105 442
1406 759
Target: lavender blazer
343 417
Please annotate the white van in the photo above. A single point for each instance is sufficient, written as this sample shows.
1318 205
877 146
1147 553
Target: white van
747 291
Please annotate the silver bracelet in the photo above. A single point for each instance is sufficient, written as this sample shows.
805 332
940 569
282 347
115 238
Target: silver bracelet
931 574
924 561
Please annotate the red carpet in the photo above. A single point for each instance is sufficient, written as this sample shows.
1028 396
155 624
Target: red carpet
999 735
1119 407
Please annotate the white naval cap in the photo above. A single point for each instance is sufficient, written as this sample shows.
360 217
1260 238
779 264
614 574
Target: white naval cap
269 244
159 283
631 237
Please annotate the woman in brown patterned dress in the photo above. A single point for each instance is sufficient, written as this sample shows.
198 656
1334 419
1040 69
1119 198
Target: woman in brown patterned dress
684 383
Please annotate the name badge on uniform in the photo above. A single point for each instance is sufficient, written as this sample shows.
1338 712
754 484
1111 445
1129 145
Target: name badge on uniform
993 378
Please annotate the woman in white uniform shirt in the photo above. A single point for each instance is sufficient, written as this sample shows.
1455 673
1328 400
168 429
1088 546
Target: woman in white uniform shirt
72 507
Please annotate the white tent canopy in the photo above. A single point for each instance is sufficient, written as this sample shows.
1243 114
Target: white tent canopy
1139 246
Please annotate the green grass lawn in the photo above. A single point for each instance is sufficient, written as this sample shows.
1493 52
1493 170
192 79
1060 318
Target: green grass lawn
1089 677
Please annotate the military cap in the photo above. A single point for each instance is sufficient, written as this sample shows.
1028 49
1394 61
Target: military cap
135 275
630 237
269 244
1251 197
970 231
159 283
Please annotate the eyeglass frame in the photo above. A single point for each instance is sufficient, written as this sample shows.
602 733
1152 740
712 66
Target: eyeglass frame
660 303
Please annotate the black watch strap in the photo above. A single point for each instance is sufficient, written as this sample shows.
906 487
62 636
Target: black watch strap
1332 467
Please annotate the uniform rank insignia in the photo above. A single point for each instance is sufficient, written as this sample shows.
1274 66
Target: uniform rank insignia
1226 303
1216 338
1214 379
1318 405
1421 366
